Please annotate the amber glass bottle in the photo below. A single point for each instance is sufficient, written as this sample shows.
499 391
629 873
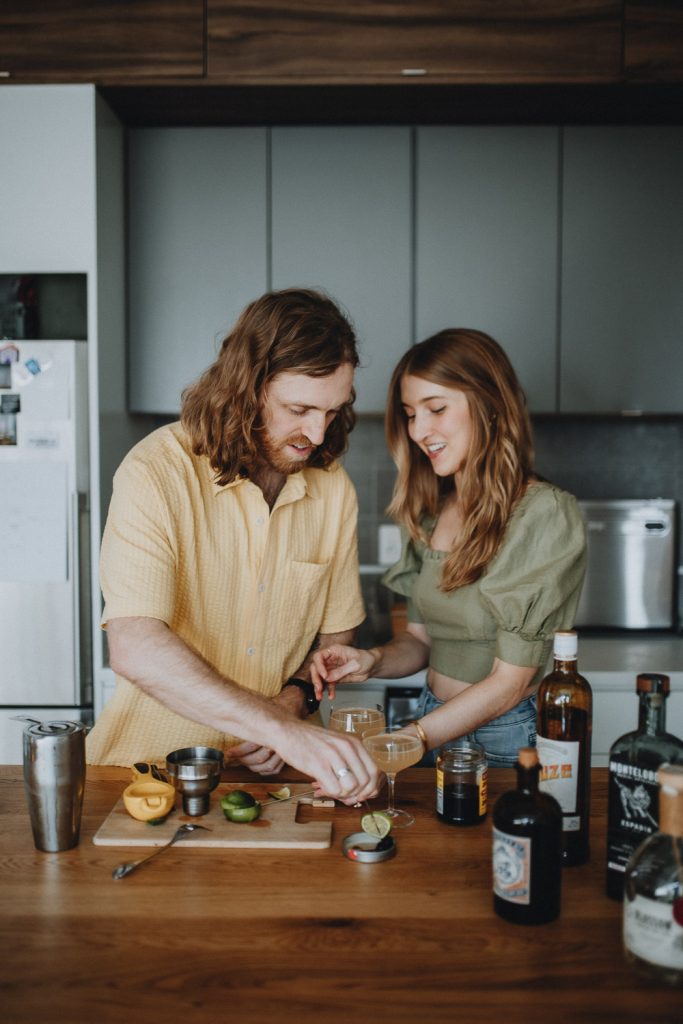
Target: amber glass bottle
564 729
633 793
527 849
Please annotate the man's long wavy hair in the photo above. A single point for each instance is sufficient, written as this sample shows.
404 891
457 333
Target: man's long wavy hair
295 331
500 461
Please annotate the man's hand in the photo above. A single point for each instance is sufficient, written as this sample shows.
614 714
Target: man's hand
263 760
338 762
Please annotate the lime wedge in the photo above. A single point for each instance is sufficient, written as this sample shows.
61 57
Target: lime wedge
377 824
281 794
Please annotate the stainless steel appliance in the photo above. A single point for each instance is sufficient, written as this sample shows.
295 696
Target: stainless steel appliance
44 564
401 704
631 564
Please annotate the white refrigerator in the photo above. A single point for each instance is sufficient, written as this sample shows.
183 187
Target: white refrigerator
45 655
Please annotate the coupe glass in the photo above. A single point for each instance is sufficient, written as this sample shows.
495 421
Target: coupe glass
361 722
393 750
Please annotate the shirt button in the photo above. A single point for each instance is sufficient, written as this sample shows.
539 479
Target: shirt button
251 650
260 520
261 587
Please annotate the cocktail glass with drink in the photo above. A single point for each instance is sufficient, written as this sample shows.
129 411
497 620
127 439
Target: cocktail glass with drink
361 722
393 750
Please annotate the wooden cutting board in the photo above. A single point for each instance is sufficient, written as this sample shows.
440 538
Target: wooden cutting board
276 828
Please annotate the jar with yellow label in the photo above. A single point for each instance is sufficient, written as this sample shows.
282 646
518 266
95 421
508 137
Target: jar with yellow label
461 783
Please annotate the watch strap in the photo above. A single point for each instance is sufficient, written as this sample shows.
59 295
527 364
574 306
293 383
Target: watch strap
312 702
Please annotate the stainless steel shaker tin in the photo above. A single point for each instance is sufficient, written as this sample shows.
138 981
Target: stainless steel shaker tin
54 782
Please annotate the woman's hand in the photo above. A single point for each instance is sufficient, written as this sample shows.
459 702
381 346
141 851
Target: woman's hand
330 665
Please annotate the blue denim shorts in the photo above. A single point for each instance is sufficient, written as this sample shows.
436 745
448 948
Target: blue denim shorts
501 738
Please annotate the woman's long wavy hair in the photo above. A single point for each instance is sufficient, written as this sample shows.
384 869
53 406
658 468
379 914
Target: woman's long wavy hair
296 331
500 461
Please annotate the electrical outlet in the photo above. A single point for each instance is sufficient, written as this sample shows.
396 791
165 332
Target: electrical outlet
389 544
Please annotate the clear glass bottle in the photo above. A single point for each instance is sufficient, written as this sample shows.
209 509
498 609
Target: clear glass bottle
564 729
527 848
653 891
633 797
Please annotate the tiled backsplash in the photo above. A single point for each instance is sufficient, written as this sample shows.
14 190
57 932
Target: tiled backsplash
590 456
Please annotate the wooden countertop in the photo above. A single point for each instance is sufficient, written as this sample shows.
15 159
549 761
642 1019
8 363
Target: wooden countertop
281 935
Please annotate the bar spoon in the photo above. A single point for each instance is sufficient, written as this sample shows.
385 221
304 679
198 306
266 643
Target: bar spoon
125 869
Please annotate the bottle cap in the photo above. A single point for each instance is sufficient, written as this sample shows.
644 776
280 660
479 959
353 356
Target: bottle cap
652 682
565 645
670 777
527 757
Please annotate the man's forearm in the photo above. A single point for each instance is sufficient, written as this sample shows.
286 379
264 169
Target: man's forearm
149 654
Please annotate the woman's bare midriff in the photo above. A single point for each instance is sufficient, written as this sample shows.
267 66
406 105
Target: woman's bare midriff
443 687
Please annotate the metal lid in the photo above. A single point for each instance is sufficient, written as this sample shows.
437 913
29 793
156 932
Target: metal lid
39 729
360 846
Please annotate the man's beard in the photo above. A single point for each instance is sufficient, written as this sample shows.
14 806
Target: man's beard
275 455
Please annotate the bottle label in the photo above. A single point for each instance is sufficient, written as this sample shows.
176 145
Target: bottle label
461 802
560 776
512 867
483 786
633 803
652 933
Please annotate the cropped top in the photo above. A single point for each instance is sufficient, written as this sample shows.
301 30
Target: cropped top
529 589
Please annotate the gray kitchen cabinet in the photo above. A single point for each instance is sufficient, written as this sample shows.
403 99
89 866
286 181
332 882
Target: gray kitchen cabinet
622 260
47 182
487 243
197 251
341 222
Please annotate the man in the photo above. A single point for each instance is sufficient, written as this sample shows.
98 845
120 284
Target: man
230 547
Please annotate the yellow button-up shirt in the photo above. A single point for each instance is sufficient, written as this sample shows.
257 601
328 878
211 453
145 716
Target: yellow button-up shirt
246 587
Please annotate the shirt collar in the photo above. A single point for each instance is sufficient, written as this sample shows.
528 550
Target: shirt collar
295 487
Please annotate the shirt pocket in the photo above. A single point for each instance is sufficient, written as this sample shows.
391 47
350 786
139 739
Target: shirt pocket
304 599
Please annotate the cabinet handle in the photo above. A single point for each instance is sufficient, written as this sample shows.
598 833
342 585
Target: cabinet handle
413 72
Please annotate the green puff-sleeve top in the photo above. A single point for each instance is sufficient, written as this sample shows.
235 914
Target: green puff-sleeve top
528 590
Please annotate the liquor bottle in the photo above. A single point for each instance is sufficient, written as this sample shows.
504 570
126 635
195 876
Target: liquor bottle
653 898
527 848
564 728
634 758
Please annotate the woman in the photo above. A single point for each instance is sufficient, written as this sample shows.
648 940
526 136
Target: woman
493 556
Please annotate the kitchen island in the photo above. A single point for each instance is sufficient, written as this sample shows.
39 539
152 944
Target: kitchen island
301 935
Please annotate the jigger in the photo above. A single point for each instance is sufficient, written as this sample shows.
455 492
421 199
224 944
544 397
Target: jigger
195 773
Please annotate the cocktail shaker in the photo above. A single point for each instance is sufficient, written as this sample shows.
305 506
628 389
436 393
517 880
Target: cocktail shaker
54 781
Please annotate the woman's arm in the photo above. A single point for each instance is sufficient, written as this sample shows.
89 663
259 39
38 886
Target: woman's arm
477 704
406 653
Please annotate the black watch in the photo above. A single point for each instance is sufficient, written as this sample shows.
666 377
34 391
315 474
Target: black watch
312 702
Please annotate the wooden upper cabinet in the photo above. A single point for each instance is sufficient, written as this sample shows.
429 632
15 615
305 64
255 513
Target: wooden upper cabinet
78 40
376 41
653 40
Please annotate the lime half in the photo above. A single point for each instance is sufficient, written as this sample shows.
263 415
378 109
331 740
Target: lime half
237 798
241 815
377 824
